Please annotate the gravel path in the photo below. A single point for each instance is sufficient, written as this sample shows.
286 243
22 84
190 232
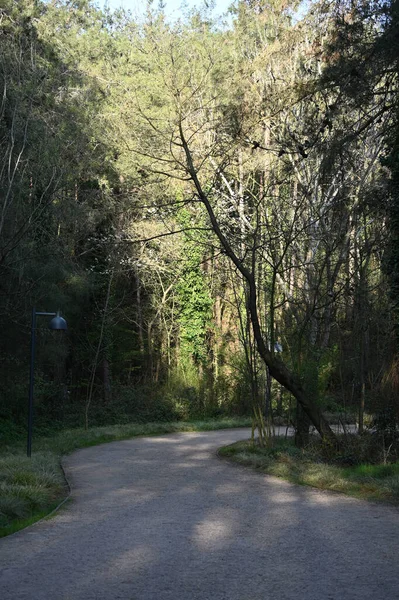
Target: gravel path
163 518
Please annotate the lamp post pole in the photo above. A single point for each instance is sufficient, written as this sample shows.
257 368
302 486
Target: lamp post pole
31 380
277 348
56 323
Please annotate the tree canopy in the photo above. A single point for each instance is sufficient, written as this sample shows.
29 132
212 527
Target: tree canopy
195 197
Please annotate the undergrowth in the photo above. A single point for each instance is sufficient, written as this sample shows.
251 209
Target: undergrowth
378 482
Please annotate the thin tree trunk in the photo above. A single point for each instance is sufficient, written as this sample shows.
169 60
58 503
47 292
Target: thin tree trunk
268 396
150 354
95 361
139 311
107 381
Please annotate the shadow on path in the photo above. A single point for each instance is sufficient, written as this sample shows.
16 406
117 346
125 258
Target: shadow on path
164 519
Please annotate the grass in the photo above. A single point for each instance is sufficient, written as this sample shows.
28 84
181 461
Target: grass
30 488
306 467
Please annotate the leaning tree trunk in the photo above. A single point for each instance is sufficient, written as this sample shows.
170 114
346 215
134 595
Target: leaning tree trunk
278 369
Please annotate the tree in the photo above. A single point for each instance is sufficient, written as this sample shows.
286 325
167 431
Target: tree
195 145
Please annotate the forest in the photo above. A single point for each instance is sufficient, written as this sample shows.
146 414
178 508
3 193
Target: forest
213 207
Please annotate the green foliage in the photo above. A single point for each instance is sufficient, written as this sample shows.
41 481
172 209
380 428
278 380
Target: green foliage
317 369
292 131
193 296
139 404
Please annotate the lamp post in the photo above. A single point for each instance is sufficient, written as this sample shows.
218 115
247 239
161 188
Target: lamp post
57 324
278 349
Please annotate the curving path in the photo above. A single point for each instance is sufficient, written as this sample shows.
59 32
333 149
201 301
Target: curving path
163 518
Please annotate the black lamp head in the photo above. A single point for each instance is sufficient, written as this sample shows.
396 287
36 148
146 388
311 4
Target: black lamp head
58 323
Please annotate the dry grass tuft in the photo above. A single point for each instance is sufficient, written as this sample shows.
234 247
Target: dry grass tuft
307 467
